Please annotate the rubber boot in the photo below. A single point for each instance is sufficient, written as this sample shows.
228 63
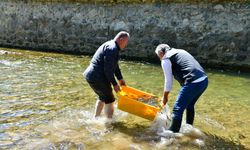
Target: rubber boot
175 125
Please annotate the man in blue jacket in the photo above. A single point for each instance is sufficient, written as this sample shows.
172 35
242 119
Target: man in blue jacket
101 71
191 76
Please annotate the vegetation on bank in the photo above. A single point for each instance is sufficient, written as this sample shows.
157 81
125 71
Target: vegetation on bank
137 1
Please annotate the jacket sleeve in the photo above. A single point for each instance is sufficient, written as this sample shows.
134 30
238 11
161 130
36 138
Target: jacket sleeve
109 59
118 73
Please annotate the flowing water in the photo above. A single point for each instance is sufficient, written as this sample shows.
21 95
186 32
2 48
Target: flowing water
46 104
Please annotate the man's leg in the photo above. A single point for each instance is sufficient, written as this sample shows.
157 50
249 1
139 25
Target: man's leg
184 98
109 110
98 108
179 107
190 115
106 98
190 111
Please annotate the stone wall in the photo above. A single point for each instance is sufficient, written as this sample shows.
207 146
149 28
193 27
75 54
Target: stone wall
216 34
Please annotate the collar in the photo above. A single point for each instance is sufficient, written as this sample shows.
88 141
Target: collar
117 46
164 56
166 53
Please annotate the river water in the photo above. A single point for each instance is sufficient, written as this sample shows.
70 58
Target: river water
46 104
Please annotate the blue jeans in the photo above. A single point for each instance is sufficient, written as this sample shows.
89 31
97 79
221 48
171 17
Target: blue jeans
187 98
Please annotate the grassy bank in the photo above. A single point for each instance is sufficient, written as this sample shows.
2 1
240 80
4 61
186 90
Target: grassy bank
137 1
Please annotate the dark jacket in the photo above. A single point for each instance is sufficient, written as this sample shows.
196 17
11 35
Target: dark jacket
185 67
104 64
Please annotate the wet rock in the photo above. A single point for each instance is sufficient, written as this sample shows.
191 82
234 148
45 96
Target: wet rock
219 7
241 136
3 52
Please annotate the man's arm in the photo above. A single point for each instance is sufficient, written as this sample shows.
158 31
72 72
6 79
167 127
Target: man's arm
167 70
119 76
109 59
118 73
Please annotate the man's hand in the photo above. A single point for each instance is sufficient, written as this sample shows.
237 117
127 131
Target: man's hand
165 97
164 101
117 88
122 82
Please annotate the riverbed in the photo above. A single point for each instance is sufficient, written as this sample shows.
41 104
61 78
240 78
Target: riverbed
46 104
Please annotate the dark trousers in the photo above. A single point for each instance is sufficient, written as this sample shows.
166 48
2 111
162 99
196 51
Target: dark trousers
186 99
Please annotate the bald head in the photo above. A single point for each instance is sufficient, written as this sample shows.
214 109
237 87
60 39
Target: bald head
122 39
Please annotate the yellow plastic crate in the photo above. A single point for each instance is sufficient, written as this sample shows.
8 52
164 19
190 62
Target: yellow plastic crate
134 101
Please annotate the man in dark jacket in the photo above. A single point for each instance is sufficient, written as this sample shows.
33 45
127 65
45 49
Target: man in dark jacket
100 73
191 76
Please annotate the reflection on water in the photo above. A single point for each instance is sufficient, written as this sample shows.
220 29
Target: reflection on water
45 104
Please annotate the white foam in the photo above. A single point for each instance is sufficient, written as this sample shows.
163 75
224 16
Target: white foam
187 134
164 142
162 120
199 142
10 63
134 147
189 130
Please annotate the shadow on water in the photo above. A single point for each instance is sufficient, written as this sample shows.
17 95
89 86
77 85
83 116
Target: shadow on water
216 142
140 134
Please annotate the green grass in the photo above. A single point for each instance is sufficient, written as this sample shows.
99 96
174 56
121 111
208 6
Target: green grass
137 1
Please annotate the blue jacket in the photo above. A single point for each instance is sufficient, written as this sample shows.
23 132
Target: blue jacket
104 64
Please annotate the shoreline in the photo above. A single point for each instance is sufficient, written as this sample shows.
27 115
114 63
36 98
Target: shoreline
215 66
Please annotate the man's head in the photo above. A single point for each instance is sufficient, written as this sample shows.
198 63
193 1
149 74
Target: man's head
122 39
161 49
